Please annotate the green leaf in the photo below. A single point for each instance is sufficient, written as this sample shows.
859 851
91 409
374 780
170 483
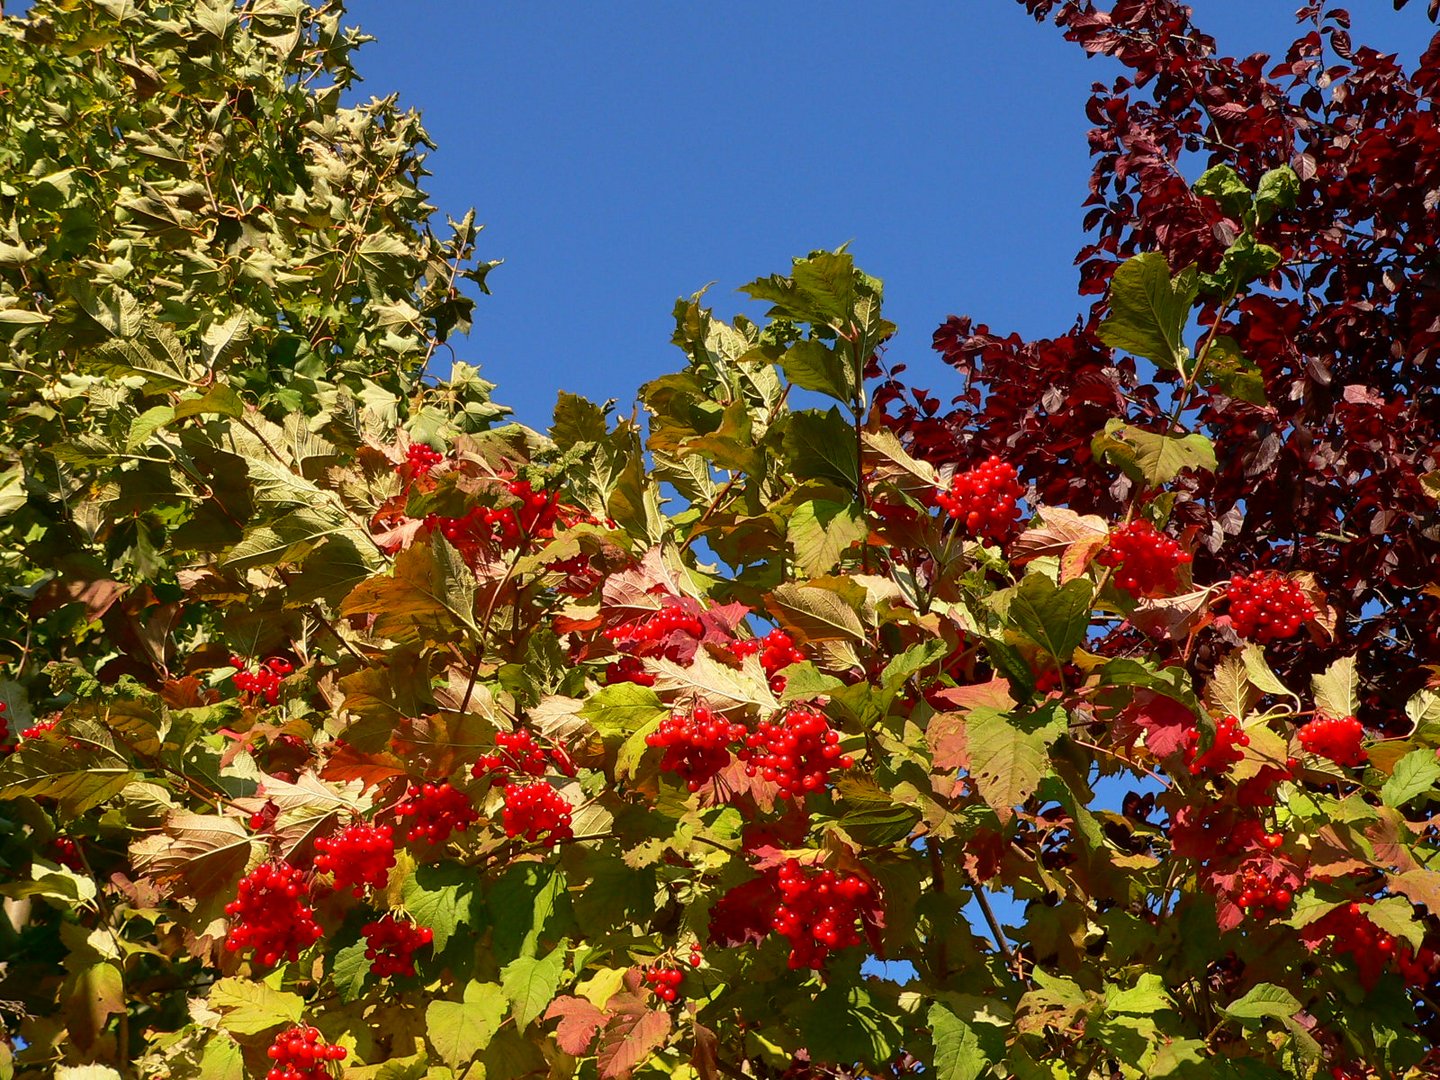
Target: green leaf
1337 689
1155 459
348 971
1415 774
1279 190
458 1030
852 1025
958 1055
1009 754
219 400
1396 916
1258 670
1262 1000
812 365
912 661
78 778
820 532
821 446
530 984
815 614
1149 310
247 1007
1147 997
1054 618
1229 369
439 897
1222 183
623 708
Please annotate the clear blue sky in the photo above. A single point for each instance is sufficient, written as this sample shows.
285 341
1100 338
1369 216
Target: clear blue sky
625 154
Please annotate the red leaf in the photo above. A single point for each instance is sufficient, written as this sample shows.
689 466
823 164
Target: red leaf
579 1021
633 1033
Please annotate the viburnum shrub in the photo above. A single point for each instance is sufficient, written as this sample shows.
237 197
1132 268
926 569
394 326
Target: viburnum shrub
1044 789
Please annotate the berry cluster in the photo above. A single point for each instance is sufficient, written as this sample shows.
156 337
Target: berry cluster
1266 606
302 1054
1258 892
1215 832
504 527
1354 933
437 810
776 650
1050 678
1224 751
39 728
665 982
4 730
697 744
420 459
536 812
359 856
1336 738
65 852
273 913
262 684
983 500
390 944
628 669
654 630
1146 561
797 753
517 751
818 912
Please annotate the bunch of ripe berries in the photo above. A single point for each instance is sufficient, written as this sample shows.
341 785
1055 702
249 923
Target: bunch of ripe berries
263 683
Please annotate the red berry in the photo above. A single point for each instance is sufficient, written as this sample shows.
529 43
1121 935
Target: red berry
1223 751
776 650
360 856
1266 606
536 812
818 912
1146 561
697 744
1336 738
797 752
983 500
437 810
390 944
271 915
301 1053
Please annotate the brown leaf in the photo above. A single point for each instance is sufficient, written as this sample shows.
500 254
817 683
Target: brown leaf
945 735
196 855
1075 538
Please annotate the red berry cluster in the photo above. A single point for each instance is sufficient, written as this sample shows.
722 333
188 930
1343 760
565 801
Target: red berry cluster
628 669
262 684
654 629
64 852
437 810
536 812
1224 751
1354 933
4 730
1050 679
1266 606
984 500
776 650
665 982
517 752
797 753
1214 832
503 527
302 1054
1146 561
275 918
359 856
1336 738
818 912
39 728
1258 892
390 944
697 744
420 459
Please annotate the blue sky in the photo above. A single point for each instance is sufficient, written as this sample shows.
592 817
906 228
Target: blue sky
624 155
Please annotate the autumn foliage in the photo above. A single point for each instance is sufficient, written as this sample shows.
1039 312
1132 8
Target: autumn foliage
1076 719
